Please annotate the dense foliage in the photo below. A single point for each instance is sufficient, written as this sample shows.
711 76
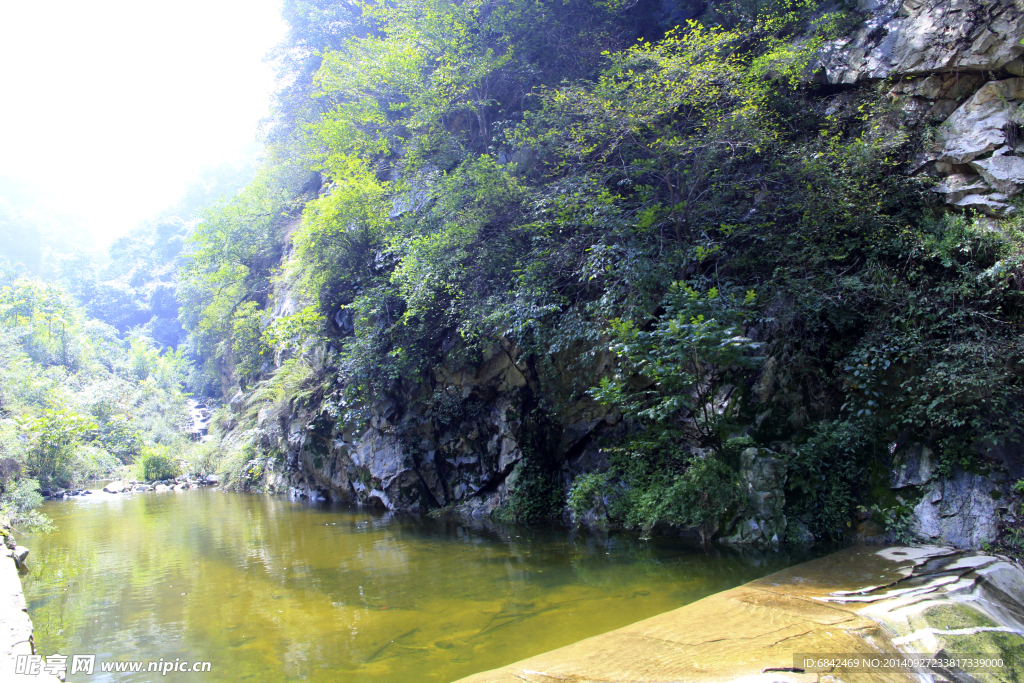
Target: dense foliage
759 263
76 402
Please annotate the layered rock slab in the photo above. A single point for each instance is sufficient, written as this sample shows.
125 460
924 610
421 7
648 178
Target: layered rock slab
858 601
910 37
949 64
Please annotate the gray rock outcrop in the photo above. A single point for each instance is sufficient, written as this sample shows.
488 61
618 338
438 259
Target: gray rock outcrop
980 124
915 37
914 466
763 479
454 444
978 149
960 511
953 64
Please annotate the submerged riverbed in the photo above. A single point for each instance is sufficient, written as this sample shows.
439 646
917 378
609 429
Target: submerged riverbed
268 589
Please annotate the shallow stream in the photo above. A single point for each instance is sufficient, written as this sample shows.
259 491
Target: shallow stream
267 589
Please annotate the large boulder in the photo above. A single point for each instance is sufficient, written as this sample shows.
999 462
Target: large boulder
1003 173
962 511
981 124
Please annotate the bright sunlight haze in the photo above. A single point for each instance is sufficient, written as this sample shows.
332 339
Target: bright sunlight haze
110 107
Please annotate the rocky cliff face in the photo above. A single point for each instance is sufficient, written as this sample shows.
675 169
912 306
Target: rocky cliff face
910 38
956 66
455 444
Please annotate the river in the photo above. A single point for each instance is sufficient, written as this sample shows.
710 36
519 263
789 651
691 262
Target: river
267 589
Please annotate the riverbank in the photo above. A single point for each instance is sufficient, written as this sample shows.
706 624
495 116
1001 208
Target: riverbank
15 624
182 483
859 602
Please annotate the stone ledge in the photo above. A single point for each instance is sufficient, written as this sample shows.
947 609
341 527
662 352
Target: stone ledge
15 624
854 601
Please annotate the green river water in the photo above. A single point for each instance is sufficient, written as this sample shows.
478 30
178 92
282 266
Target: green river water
268 589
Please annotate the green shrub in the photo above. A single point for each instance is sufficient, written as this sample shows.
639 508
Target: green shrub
17 502
120 436
91 463
587 494
158 465
827 475
204 458
243 467
54 438
652 479
698 498
535 497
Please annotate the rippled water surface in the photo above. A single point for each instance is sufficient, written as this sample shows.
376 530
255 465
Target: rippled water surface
272 590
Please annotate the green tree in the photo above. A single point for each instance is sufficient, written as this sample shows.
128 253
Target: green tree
229 262
676 374
54 437
678 384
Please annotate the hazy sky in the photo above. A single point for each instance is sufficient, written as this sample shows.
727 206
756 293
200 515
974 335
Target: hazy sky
109 106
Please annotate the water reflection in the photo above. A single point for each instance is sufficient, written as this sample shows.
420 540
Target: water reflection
268 589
